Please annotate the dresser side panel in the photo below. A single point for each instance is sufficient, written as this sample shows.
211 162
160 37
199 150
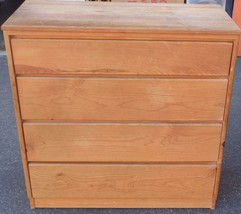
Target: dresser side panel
13 82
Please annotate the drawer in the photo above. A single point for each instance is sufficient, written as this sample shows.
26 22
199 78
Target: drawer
116 57
113 99
121 142
122 181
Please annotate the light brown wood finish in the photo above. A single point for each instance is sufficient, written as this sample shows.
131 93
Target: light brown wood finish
84 34
122 203
18 119
225 123
98 181
124 17
133 58
104 99
121 142
182 95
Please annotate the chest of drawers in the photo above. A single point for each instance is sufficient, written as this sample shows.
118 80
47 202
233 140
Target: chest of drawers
121 105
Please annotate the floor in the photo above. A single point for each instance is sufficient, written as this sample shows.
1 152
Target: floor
13 197
2 46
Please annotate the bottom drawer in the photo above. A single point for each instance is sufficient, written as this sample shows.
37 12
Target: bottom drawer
122 185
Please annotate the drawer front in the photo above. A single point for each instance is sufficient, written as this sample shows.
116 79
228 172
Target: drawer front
121 142
122 181
142 58
111 99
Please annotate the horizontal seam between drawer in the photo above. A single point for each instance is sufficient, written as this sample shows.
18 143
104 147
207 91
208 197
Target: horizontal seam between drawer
127 77
69 121
212 164
28 122
171 40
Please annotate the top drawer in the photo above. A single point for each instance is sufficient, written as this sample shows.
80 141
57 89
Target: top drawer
119 57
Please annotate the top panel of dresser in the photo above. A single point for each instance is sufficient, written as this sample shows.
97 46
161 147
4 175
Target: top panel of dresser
77 16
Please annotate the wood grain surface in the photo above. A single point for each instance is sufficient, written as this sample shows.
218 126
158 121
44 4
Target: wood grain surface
16 106
111 99
121 105
125 17
225 121
122 203
114 181
121 142
120 58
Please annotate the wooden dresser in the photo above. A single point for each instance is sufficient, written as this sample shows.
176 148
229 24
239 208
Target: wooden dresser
121 105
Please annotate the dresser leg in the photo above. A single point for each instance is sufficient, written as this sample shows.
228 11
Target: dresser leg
213 205
218 176
31 201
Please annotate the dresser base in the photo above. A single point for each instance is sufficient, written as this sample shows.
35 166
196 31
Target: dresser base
122 203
